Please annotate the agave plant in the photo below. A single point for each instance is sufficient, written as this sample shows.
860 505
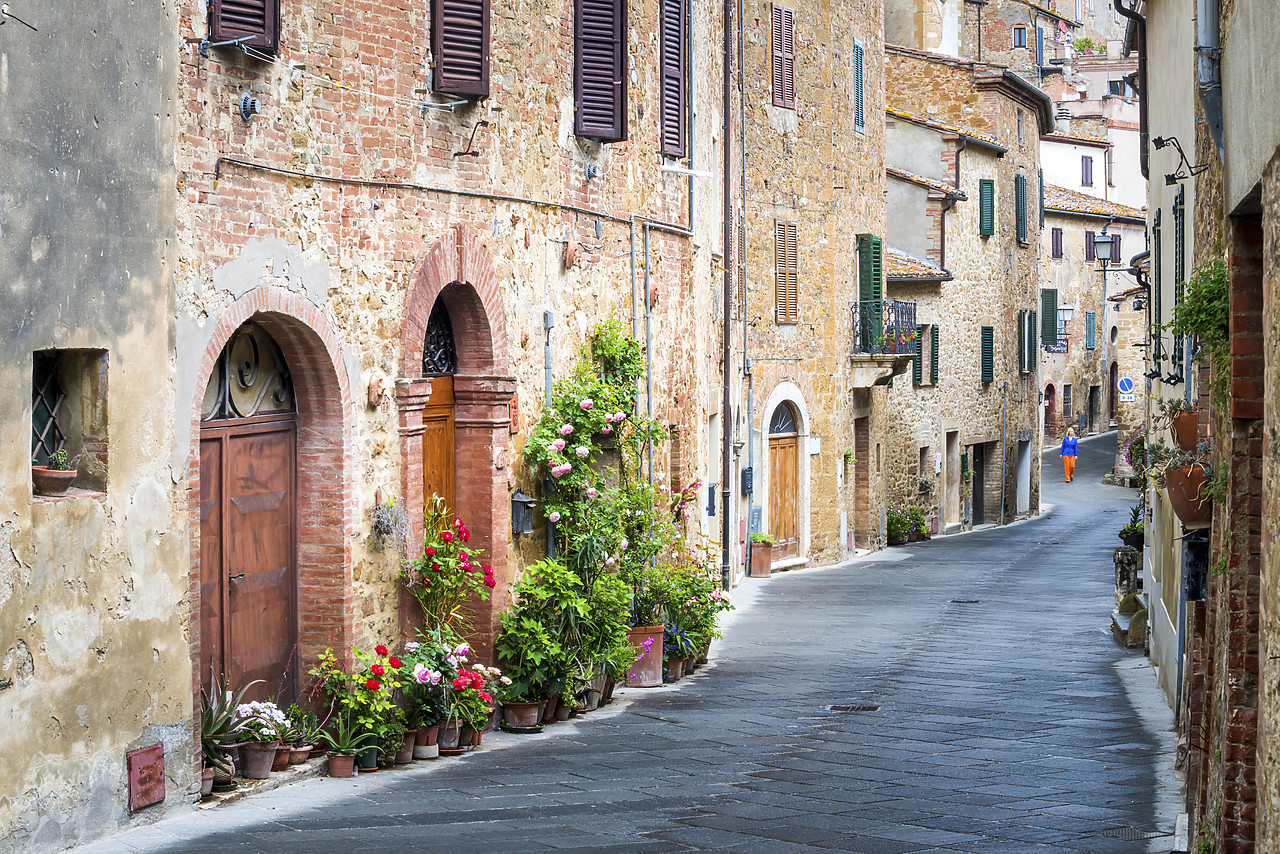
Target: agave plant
219 727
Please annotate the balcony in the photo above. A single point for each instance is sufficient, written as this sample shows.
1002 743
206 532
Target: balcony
884 341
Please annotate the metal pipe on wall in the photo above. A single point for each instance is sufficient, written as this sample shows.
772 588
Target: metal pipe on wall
726 148
1004 449
648 348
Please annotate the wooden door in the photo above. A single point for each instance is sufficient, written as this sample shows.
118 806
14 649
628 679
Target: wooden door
784 494
247 554
438 442
979 484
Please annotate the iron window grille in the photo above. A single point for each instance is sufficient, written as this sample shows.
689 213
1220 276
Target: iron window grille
47 397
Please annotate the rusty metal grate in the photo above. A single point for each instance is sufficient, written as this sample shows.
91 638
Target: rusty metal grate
1133 834
854 707
965 601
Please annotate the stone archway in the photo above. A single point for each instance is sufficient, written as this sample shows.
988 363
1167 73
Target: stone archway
324 507
458 272
786 394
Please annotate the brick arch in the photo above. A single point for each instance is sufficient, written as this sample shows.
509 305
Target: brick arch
458 270
325 508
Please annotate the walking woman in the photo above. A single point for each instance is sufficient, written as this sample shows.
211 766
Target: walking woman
1070 450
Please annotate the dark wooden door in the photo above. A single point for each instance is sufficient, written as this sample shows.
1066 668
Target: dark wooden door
784 494
979 484
438 442
247 554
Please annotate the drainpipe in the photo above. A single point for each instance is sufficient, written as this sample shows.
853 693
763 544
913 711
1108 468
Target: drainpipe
1004 449
1140 40
727 211
1208 66
548 321
648 349
751 455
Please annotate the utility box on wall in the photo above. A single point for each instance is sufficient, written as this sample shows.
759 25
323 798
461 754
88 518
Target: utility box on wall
146 776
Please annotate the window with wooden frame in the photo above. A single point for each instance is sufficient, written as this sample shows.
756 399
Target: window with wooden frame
460 47
1090 251
673 60
1019 36
236 19
924 366
600 69
1049 315
784 56
1066 400
859 87
1056 242
787 273
1086 170
986 207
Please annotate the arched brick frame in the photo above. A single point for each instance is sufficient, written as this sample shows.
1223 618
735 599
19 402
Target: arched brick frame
458 270
325 504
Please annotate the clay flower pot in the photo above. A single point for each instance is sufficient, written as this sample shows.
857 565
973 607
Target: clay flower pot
298 755
647 642
761 560
1185 488
206 781
1184 427
257 757
51 482
281 761
424 744
342 764
405 754
520 714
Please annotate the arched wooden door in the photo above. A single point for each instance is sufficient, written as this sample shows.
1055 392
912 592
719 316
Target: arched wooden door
248 536
440 362
1050 411
784 482
1113 379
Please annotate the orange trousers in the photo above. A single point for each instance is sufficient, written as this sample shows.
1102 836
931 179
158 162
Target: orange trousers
1069 467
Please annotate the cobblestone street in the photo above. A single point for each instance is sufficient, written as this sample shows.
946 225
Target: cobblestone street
958 695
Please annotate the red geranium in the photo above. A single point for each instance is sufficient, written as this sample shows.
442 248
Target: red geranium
431 552
394 662
378 670
372 685
447 536
380 649
466 535
485 696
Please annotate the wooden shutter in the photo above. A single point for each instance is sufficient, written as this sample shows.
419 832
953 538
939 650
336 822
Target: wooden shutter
1057 243
786 298
1086 171
988 354
1090 330
917 363
673 60
870 268
1115 249
460 42
1040 46
1090 252
784 57
235 19
1033 346
1042 198
1179 266
1022 341
1157 313
986 207
933 354
742 262
1020 205
1049 315
859 88
600 69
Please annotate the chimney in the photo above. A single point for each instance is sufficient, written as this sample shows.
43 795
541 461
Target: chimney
1063 117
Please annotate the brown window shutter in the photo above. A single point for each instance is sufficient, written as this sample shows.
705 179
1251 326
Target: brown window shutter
672 60
786 296
600 69
742 262
235 19
460 44
784 57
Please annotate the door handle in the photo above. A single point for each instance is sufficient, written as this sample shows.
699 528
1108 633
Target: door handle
233 577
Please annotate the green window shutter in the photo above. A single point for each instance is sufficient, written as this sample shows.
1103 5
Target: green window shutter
1090 330
1179 266
1022 341
1049 315
1020 205
1042 198
870 268
988 354
1033 350
933 362
917 364
859 90
986 207
1157 264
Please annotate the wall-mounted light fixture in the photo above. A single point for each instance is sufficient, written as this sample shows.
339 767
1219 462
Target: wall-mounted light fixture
1178 174
249 106
522 513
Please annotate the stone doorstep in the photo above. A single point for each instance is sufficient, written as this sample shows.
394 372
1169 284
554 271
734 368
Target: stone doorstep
314 767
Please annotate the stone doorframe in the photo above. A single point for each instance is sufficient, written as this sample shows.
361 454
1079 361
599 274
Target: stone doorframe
791 393
326 506
458 270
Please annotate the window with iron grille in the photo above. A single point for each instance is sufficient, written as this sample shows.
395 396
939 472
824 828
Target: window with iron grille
69 411
47 397
1066 400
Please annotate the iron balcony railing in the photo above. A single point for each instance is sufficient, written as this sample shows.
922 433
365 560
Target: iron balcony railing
884 326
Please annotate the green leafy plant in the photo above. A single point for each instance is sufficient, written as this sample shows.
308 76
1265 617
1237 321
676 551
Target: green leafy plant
1204 312
1084 43
219 726
305 725
345 737
764 539
926 485
445 577
1135 525
542 633
59 461
898 523
364 685
915 522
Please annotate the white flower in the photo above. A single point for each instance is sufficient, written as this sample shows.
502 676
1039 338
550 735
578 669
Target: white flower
411 646
581 451
505 681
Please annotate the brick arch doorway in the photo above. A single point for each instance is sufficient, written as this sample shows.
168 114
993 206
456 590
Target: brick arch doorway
251 499
456 279
1050 411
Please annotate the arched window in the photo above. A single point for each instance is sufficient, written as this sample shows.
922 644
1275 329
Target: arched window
783 421
439 356
250 378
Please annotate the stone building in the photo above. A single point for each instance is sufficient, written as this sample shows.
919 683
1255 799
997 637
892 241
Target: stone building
381 214
1079 363
811 191
963 155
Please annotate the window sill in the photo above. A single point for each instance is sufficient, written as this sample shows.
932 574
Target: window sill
71 494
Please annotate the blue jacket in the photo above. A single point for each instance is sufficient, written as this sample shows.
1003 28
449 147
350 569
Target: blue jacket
1070 447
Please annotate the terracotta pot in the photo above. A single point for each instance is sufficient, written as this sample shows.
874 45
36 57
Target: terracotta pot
674 669
298 755
1185 488
703 653
591 699
427 736
206 782
690 663
549 710
257 757
1185 429
606 693
761 560
47 481
281 761
647 671
466 736
448 738
563 710
520 714
405 754
342 764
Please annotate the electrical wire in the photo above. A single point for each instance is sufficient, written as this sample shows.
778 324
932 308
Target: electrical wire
6 14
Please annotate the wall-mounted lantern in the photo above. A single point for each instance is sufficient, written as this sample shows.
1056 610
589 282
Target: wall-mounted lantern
522 513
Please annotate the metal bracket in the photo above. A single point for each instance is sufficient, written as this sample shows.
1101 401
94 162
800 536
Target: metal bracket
205 44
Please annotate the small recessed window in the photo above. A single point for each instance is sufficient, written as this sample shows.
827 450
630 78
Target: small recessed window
69 412
1019 36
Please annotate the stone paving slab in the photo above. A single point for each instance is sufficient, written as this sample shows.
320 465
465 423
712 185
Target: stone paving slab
1008 722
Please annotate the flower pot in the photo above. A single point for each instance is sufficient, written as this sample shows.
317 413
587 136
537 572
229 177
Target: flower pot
206 781
761 560
1185 429
448 737
47 481
342 764
591 699
549 710
405 754
257 757
606 693
647 642
1185 488
426 751
690 663
298 755
913 537
520 714
674 669
466 736
563 710
283 754
703 652
367 759
237 759
1134 541
427 736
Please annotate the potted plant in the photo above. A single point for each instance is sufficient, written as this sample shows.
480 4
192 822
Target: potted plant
305 726
897 525
445 577
1133 533
427 667
676 647
260 724
916 529
468 708
367 692
219 731
56 475
762 555
1181 417
344 740
1184 477
540 636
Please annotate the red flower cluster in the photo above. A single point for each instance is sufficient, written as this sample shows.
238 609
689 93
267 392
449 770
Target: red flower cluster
372 685
378 670
468 679
463 533
394 662
380 649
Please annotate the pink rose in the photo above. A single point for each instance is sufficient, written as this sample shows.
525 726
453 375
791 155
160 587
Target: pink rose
586 403
554 517
566 429
581 451
558 444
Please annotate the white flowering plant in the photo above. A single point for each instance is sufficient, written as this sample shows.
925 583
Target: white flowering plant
263 721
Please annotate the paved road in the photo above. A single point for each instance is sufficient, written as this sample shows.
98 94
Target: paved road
999 716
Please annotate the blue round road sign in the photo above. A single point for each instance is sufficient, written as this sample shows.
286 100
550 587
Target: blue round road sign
1125 385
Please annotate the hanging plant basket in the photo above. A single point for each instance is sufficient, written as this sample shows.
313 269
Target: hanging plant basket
1185 488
